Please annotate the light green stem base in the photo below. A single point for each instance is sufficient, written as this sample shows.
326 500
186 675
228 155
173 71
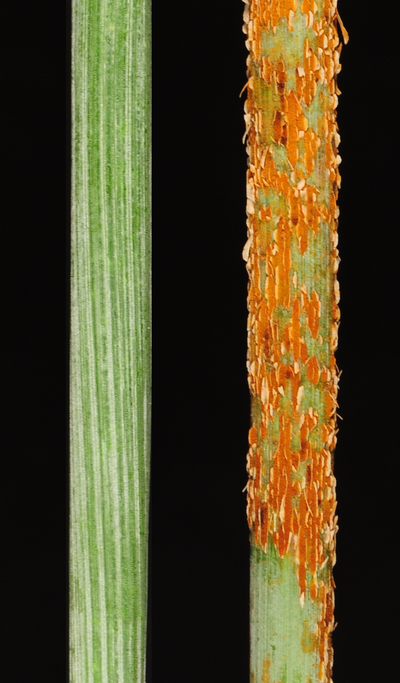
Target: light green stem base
284 647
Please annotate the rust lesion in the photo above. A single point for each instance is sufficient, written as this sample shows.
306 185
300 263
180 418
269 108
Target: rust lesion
314 313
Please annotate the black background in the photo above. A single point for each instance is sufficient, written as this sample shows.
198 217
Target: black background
199 538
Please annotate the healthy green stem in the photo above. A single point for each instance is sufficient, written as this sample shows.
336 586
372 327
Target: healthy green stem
110 339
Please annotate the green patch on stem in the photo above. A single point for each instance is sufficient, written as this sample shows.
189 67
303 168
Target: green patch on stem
287 44
283 632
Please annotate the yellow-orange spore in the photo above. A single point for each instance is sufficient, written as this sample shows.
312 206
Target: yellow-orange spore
293 300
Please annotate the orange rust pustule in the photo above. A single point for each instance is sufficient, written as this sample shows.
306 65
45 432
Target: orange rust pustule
293 309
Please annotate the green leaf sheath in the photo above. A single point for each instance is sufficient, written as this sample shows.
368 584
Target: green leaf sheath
110 339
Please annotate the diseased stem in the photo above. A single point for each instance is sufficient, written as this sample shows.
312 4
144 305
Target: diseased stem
110 340
292 261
